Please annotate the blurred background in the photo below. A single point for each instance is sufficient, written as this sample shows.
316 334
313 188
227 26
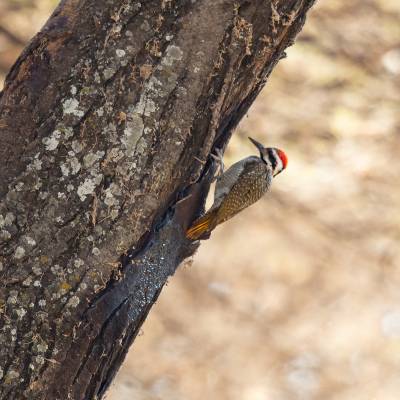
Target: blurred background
298 297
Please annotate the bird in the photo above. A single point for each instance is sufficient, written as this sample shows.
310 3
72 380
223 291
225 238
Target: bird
240 186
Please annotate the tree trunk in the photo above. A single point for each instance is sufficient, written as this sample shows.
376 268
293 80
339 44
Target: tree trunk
107 120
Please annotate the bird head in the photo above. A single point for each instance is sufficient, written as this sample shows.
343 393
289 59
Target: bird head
272 156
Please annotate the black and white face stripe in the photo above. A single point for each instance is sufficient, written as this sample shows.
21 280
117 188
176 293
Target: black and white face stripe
272 157
273 160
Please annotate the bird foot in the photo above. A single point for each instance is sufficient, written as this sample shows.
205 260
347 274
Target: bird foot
218 157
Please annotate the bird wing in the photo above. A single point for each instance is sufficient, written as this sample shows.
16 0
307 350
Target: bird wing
229 178
254 180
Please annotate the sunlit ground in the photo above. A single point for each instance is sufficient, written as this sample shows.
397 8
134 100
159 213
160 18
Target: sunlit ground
298 297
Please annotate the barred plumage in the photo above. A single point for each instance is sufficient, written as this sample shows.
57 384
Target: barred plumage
241 185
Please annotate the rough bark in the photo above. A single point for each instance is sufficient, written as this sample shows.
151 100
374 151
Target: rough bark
107 120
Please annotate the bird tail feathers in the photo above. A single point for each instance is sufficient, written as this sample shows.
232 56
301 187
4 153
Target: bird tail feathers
204 224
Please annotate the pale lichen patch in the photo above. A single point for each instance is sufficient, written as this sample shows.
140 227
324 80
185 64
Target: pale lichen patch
109 73
142 143
115 154
5 235
12 299
38 184
19 253
120 53
10 218
78 262
132 132
41 347
88 186
27 282
64 169
42 303
110 200
75 165
66 131
37 270
71 106
39 360
20 312
19 186
91 158
37 164
53 141
76 146
73 301
96 251
72 165
30 241
146 106
114 213
173 53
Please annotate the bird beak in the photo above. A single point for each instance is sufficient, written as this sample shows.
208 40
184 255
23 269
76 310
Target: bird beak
277 173
259 146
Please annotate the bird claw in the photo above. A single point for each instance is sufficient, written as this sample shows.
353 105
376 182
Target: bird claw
218 157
